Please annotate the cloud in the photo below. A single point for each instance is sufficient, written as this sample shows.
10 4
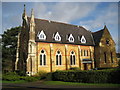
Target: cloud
64 12
108 16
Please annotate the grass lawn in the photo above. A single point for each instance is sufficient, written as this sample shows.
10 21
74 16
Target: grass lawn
68 83
80 84
20 81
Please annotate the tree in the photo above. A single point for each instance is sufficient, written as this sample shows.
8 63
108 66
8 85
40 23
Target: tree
9 46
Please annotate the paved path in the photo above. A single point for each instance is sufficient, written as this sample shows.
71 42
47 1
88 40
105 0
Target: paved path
40 86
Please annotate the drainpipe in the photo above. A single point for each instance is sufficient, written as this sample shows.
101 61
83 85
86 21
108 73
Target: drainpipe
51 57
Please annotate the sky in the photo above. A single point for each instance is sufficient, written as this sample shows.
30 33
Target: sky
91 15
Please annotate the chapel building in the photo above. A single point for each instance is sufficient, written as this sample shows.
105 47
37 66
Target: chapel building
45 45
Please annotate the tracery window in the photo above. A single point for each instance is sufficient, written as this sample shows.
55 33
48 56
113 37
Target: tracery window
43 57
72 58
58 58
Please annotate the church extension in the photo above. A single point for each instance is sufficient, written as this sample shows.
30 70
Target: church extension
45 45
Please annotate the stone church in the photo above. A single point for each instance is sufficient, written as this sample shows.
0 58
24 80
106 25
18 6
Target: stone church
45 45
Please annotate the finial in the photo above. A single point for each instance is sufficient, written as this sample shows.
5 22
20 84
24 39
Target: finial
32 17
24 8
24 12
32 12
104 23
105 27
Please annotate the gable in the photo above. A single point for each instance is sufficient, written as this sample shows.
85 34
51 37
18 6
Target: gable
102 37
106 38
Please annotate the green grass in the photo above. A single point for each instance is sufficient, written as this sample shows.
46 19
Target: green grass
20 81
80 84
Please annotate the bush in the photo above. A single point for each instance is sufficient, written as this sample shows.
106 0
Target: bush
41 74
21 73
101 76
75 68
13 76
10 76
11 73
49 76
29 79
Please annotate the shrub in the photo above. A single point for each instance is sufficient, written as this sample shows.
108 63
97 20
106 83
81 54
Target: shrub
29 79
49 76
75 68
11 73
97 76
21 73
13 76
41 74
10 77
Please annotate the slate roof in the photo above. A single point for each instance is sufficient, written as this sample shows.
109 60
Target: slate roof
97 36
51 27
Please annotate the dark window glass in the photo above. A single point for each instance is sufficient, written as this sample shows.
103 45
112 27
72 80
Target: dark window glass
84 53
42 51
72 52
107 41
70 59
87 52
44 59
40 59
56 59
58 52
60 60
74 59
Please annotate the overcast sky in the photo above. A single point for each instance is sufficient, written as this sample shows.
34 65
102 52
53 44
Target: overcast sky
91 15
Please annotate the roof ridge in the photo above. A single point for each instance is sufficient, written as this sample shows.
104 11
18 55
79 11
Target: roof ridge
98 31
61 23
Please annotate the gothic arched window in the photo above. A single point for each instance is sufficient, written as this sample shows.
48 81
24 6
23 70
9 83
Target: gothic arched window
42 57
72 58
58 58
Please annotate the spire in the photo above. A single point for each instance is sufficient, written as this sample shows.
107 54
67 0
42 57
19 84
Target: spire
32 17
32 12
24 12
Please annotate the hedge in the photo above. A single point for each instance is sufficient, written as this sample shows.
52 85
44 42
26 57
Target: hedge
13 76
92 76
